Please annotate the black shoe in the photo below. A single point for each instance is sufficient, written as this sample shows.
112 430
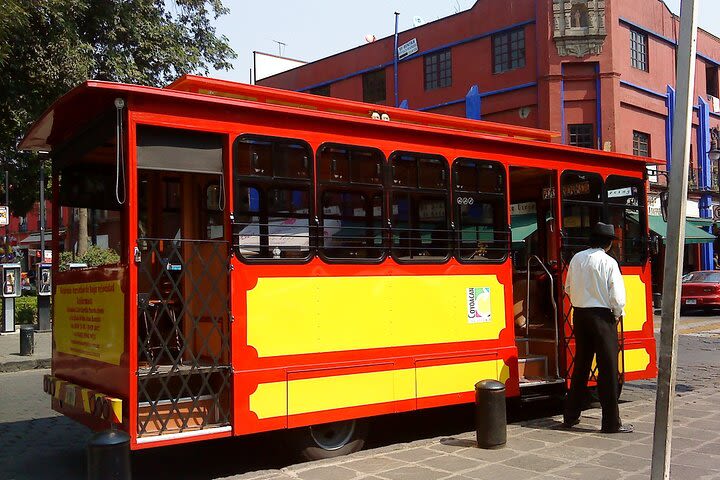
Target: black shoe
627 428
570 423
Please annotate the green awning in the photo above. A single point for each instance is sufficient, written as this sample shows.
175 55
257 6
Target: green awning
523 226
693 234
701 222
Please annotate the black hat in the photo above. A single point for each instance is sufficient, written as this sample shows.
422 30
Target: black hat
603 230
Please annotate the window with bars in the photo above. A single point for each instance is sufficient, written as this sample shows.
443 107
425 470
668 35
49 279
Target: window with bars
626 211
639 50
641 144
581 135
582 208
350 191
438 70
419 212
273 207
480 210
374 89
508 50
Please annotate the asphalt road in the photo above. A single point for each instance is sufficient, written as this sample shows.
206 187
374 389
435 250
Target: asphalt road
36 443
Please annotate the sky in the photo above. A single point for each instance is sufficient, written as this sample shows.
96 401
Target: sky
314 29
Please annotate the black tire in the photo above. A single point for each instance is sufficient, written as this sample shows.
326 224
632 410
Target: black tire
329 440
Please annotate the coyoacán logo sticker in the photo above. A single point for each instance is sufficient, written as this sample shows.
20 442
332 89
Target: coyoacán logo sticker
478 304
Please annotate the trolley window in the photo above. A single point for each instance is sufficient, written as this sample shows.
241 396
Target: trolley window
419 201
91 207
273 199
351 200
626 210
479 195
582 208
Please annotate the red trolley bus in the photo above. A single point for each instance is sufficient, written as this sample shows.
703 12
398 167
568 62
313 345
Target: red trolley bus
286 261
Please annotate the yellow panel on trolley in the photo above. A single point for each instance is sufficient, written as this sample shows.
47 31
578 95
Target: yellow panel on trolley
341 391
636 360
292 316
458 378
636 303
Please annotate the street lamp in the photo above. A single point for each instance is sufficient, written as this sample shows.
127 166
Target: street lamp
714 153
714 156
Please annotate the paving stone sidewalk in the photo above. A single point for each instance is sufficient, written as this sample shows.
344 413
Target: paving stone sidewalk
541 449
12 361
536 449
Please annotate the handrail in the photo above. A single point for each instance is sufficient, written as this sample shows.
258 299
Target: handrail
555 310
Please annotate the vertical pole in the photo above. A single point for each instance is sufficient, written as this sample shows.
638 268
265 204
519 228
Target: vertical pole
8 303
8 315
598 107
42 207
662 438
395 62
43 302
7 201
253 70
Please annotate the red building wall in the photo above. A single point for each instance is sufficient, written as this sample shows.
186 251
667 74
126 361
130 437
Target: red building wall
21 227
557 90
550 91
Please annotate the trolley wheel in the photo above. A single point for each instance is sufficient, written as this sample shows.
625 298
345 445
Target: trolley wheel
330 440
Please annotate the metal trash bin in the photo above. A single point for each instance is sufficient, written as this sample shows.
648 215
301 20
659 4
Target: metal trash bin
490 414
657 300
108 456
27 340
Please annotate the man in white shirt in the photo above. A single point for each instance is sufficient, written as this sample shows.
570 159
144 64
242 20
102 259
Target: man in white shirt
597 293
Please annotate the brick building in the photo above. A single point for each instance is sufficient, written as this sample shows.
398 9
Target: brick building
600 72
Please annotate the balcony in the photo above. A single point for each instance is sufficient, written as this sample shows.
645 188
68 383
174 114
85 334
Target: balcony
694 180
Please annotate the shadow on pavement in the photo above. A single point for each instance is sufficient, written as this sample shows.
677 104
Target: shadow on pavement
62 455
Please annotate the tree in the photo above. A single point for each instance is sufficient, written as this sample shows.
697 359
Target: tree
49 46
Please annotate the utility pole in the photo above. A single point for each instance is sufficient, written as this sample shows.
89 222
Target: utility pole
662 437
395 60
43 301
8 302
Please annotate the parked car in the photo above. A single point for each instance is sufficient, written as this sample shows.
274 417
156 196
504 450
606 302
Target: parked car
701 290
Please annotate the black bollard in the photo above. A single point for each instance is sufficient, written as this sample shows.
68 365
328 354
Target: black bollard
657 300
27 340
490 414
108 456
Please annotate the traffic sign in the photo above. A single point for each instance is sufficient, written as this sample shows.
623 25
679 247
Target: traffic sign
4 215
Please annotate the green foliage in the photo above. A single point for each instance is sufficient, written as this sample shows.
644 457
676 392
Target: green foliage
49 46
26 310
94 257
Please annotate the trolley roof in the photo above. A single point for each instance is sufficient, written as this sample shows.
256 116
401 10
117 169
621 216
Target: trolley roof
77 109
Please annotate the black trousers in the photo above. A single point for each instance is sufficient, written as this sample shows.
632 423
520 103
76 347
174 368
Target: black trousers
595 335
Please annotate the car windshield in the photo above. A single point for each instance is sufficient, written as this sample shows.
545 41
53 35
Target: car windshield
702 277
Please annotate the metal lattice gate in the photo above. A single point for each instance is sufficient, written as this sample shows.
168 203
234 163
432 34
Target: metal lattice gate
569 337
184 369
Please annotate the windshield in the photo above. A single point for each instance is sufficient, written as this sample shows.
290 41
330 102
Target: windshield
702 277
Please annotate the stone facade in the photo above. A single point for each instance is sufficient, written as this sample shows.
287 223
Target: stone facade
579 27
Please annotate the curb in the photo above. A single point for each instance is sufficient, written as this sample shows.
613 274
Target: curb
24 365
